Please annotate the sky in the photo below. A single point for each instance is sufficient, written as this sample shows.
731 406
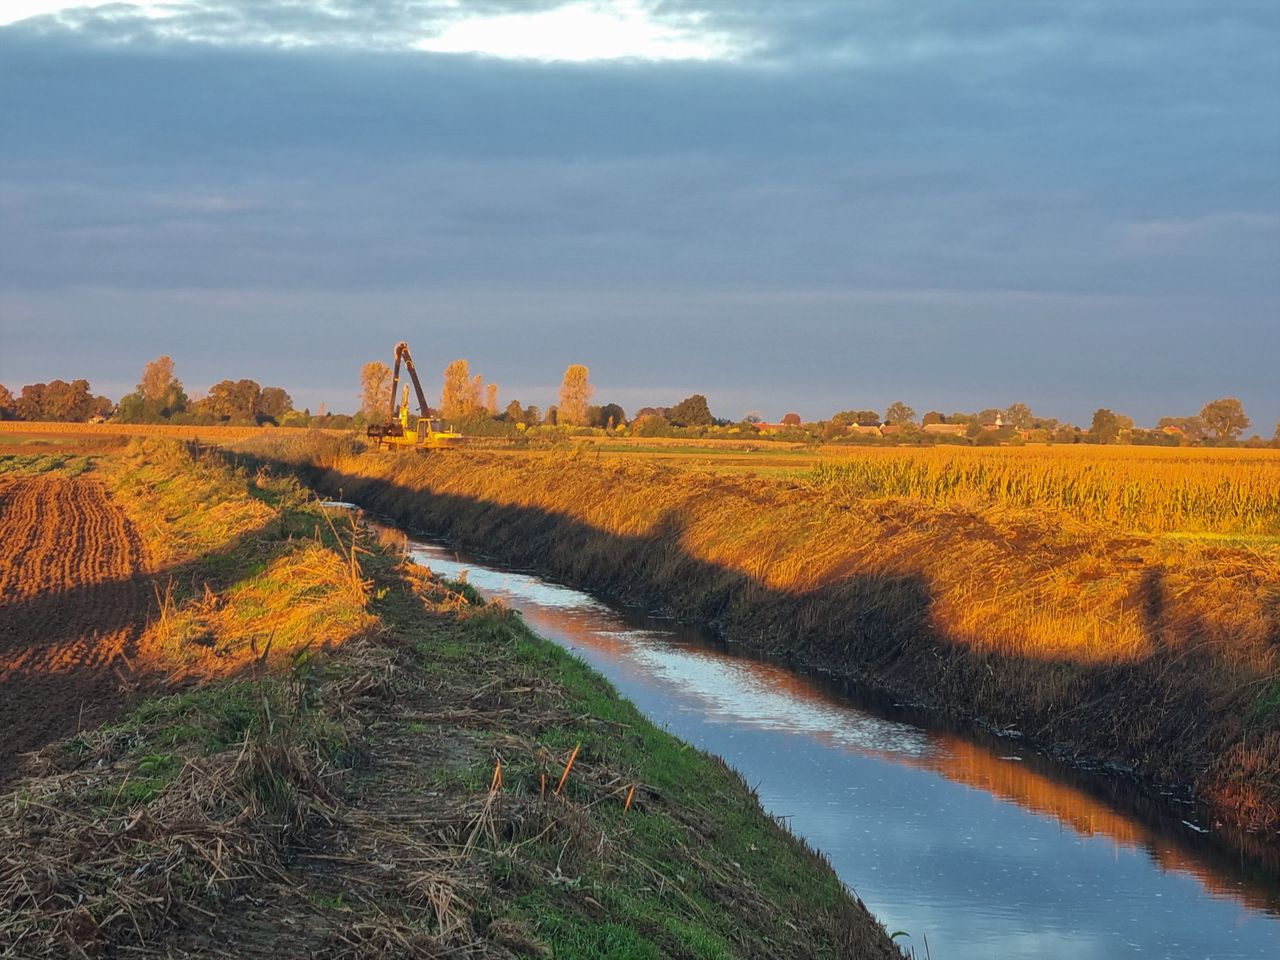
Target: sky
809 206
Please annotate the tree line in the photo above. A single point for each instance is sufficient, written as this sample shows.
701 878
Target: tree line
160 397
472 406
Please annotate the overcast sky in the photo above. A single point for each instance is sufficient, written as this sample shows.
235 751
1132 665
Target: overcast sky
806 206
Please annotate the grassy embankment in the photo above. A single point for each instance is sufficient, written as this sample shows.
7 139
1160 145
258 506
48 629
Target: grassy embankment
345 804
1115 608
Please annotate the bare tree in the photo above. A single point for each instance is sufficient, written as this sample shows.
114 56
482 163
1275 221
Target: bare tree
575 395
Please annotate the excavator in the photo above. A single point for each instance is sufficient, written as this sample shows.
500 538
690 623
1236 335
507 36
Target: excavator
404 432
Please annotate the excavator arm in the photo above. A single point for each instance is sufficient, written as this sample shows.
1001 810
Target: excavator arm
402 352
401 433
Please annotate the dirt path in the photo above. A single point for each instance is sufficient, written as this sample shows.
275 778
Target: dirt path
75 593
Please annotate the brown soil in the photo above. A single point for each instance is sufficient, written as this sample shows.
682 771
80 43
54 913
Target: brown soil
75 595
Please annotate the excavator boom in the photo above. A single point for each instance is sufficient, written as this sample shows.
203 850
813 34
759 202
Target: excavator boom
398 431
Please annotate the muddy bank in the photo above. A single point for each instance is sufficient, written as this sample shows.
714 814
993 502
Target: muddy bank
1148 658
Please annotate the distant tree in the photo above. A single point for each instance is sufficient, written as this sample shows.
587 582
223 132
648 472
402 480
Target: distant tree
375 384
159 395
457 398
933 416
652 412
30 404
575 395
235 400
1276 438
991 415
594 419
1224 418
691 412
867 418
491 399
158 385
752 416
66 401
792 419
612 415
532 415
1105 427
1019 415
514 412
553 416
274 403
899 413
8 405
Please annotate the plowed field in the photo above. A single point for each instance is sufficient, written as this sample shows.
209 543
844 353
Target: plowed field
74 599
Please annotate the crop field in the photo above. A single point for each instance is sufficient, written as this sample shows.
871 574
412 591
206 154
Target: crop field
74 600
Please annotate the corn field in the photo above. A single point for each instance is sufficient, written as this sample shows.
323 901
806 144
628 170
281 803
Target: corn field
1164 491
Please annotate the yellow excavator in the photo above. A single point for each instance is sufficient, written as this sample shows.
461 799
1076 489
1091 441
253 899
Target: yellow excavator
404 432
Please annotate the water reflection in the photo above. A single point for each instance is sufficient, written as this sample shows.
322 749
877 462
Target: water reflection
988 852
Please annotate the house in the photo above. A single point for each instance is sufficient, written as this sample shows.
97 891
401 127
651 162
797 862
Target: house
889 429
946 429
865 430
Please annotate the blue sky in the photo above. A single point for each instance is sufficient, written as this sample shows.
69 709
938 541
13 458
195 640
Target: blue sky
806 206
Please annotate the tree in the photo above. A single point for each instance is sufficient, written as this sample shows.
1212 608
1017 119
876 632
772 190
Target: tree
532 415
899 414
692 412
991 415
274 403
933 416
491 399
8 405
612 415
575 395
457 398
792 419
1224 418
30 405
158 380
514 412
1019 415
159 394
233 400
375 381
553 416
1105 427
867 418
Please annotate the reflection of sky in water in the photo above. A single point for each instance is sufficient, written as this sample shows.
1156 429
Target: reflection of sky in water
919 824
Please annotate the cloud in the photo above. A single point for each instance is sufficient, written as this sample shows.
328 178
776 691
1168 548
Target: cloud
538 30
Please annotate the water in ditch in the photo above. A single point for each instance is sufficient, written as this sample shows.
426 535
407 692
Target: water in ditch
983 848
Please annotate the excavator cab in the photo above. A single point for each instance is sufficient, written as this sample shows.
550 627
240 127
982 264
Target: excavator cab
403 430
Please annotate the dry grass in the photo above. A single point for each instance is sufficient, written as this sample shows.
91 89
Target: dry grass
1156 652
